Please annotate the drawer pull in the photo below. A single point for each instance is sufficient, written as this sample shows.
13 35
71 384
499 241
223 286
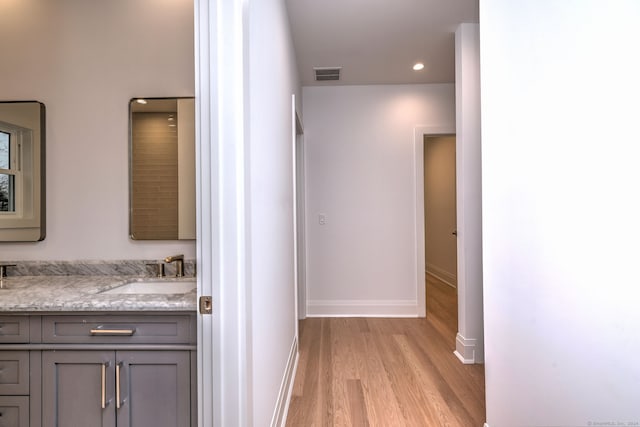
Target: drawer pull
113 332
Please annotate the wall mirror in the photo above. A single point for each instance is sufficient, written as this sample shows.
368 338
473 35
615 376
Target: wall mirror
162 193
22 171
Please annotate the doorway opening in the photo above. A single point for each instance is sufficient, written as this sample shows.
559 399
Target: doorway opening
468 341
439 160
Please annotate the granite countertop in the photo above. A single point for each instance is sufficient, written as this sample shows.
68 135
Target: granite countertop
83 293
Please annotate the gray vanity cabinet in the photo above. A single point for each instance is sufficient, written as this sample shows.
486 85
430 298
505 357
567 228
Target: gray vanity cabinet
121 388
98 370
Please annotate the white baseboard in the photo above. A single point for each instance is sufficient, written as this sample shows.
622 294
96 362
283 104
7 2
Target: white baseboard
466 350
444 276
362 308
279 418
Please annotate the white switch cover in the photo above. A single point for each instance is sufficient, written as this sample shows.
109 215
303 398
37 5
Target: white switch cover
322 219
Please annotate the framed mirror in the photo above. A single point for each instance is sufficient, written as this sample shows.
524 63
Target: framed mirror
22 171
162 193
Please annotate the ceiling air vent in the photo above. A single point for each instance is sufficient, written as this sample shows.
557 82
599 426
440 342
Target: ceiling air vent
327 73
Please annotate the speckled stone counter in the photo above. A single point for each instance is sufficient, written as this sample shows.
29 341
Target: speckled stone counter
83 293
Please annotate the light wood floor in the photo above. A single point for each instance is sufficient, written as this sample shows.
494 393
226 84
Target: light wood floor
387 372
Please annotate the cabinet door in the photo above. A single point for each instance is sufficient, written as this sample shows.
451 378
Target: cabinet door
77 387
155 388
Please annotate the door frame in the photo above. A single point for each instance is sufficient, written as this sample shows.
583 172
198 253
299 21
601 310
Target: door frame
222 232
299 209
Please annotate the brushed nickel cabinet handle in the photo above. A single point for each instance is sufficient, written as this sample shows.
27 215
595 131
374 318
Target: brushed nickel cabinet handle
118 385
113 332
103 391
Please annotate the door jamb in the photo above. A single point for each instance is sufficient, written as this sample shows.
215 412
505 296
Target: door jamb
299 204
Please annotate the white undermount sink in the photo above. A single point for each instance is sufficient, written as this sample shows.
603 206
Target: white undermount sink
154 286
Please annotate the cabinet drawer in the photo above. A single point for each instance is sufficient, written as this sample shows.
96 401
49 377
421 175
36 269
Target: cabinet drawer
14 372
118 329
14 411
14 329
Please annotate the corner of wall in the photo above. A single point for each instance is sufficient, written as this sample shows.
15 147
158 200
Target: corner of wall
467 350
470 339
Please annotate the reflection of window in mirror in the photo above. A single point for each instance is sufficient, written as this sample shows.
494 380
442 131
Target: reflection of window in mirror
162 149
7 174
16 171
22 186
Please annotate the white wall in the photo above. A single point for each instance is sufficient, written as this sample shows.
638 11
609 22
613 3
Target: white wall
273 79
361 169
560 211
440 207
85 60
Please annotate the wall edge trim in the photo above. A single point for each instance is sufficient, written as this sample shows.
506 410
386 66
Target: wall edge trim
362 308
466 350
281 409
444 276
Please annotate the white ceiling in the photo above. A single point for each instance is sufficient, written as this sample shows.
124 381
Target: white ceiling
378 41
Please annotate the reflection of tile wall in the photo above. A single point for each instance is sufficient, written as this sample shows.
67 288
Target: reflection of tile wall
155 177
127 267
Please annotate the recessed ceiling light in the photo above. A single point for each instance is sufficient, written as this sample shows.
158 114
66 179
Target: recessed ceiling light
141 101
418 66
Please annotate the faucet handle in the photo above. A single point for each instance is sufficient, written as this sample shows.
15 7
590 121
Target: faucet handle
179 267
3 269
159 267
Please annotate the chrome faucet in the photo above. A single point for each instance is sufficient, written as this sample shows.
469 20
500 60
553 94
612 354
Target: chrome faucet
179 260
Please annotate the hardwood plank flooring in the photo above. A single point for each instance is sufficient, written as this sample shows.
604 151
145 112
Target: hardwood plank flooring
387 372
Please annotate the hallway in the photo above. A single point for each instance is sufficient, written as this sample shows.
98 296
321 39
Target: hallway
387 372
